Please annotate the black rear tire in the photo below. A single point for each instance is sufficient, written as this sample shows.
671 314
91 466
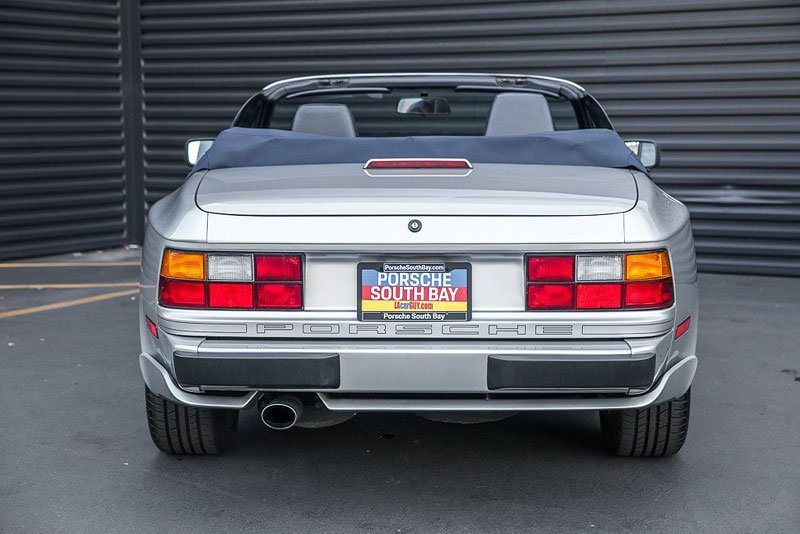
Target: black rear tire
179 429
658 430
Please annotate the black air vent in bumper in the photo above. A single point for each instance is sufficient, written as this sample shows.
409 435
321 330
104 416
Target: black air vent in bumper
597 372
281 371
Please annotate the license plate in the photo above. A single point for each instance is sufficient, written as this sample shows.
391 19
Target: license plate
409 291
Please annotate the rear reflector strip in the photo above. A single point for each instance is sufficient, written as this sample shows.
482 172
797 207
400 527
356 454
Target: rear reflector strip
418 164
151 326
683 327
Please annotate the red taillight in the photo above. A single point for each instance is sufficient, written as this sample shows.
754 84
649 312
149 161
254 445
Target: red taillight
683 327
418 164
231 281
182 294
279 296
598 296
278 268
648 294
230 295
599 281
551 268
551 296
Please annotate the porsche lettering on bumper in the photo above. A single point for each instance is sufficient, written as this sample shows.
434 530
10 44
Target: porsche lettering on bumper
646 326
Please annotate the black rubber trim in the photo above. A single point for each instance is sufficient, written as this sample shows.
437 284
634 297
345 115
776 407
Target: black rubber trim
514 371
287 370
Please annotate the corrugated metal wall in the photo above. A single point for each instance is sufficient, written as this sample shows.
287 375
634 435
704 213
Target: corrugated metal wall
61 144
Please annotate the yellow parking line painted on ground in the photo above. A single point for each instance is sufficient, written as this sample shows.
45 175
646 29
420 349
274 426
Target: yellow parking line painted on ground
68 286
67 303
70 264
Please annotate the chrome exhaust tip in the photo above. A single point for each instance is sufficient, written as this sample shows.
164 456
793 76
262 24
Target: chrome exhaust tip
282 412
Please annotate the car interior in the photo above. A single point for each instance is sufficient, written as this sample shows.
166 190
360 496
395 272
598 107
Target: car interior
510 114
413 112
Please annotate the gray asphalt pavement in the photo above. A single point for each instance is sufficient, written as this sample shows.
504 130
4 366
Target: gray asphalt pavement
75 455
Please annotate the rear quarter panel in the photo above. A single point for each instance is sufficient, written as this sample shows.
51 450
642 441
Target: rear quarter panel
660 218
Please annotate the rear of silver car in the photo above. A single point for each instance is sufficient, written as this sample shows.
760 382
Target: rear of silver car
629 363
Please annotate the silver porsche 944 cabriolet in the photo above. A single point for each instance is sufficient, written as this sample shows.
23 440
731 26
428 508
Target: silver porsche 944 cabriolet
461 246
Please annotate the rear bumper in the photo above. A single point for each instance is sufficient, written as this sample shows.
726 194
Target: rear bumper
674 383
420 375
415 366
539 368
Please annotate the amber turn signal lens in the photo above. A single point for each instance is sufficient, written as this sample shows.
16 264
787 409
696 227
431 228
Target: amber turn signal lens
183 265
647 266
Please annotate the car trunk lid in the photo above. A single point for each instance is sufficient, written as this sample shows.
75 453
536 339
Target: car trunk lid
485 190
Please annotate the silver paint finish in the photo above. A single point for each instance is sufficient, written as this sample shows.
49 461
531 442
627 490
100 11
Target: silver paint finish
448 234
518 325
177 216
673 384
345 189
413 366
656 217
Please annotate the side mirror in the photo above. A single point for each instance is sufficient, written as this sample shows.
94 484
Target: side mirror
648 151
195 148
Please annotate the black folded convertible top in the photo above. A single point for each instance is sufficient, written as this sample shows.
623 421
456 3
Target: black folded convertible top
252 147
